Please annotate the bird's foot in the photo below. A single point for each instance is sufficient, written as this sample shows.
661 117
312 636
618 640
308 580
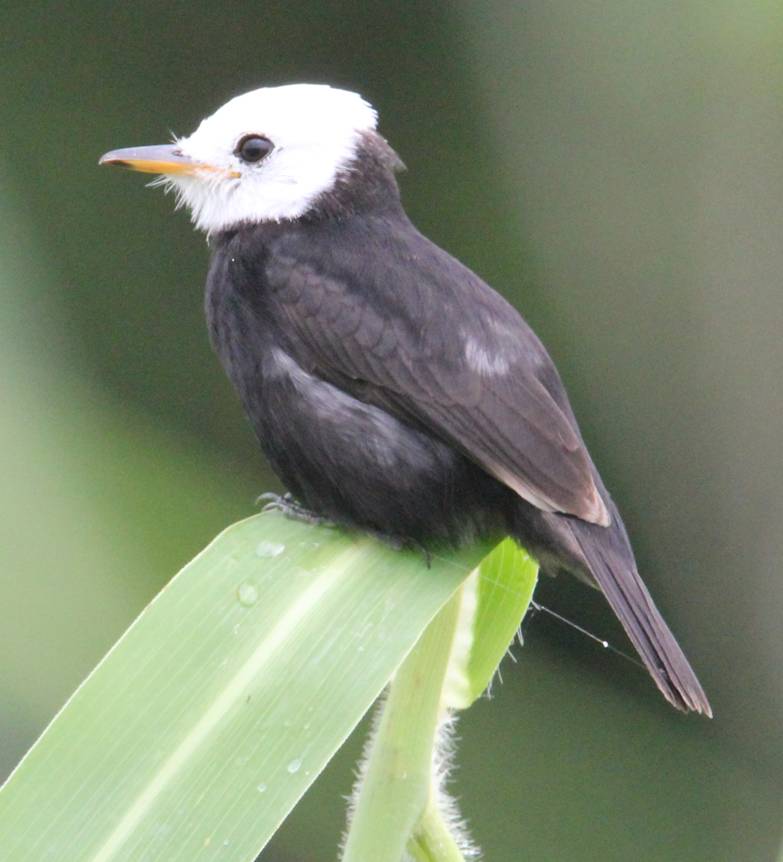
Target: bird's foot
399 543
291 508
423 550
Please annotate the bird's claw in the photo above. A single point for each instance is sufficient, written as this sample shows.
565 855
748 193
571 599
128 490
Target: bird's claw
272 500
290 508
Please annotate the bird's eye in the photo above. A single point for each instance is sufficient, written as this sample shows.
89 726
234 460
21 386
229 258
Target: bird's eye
253 148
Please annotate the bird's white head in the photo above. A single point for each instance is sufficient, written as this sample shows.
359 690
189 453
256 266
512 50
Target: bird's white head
266 155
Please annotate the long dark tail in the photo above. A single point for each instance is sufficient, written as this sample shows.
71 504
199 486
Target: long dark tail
642 621
604 555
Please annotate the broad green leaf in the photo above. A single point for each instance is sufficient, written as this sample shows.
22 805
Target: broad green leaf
209 719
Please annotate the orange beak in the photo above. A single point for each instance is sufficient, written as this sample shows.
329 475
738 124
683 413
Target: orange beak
163 159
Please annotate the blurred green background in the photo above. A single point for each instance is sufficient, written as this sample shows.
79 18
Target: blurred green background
613 168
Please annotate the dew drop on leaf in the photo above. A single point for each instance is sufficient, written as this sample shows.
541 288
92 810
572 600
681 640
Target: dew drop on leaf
294 766
269 549
247 595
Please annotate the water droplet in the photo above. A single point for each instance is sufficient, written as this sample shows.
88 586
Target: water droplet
235 629
247 595
261 788
226 842
605 644
269 549
294 766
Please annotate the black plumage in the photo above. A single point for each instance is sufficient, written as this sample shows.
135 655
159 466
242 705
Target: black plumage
394 391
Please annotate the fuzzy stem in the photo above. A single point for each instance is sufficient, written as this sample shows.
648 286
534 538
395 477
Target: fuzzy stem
394 795
432 841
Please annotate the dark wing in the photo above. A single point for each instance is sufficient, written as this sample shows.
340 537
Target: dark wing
393 319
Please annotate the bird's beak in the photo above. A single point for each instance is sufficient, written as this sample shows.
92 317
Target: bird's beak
163 159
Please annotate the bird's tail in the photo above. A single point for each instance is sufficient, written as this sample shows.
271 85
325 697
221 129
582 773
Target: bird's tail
612 566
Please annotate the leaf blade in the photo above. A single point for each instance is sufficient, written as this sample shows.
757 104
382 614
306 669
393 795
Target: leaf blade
496 597
198 746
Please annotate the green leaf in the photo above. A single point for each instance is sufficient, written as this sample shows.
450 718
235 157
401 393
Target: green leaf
209 719
494 600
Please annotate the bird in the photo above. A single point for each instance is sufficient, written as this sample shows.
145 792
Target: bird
390 388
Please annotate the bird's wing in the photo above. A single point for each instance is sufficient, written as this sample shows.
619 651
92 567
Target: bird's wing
398 322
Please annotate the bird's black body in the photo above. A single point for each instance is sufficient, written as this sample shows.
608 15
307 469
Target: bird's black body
394 391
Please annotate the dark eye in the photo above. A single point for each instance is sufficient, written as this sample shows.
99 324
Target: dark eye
253 148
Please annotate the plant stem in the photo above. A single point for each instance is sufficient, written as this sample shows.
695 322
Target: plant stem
394 797
432 841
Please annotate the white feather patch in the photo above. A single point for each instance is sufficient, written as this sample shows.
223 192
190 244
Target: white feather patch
486 362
